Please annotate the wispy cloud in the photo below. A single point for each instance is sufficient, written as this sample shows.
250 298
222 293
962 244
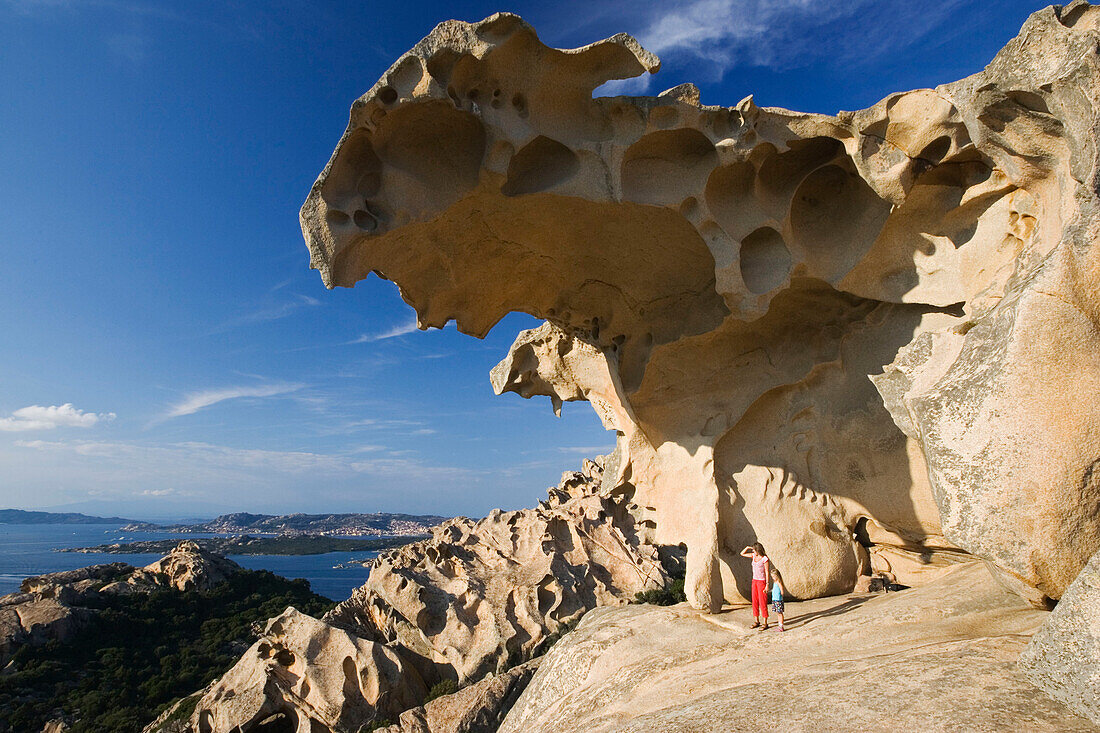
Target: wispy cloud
206 461
399 330
714 36
266 313
589 450
157 492
196 401
37 417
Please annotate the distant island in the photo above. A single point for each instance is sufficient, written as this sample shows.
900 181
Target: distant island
246 545
19 516
359 525
380 524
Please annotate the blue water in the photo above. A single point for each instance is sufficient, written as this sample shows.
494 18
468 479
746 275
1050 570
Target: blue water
28 549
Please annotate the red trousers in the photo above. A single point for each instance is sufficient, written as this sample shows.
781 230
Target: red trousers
759 598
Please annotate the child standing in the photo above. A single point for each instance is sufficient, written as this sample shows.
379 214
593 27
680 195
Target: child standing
759 582
778 590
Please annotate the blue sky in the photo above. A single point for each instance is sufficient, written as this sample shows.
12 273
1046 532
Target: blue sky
164 348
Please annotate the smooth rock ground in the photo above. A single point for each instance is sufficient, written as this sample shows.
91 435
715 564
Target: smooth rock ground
937 658
1063 658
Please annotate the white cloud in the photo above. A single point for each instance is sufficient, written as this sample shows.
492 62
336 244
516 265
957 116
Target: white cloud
37 417
196 401
157 492
590 451
399 330
208 462
718 35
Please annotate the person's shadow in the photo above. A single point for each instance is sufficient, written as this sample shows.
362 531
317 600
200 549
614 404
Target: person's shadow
849 605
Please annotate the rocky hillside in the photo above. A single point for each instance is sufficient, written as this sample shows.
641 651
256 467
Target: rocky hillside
101 649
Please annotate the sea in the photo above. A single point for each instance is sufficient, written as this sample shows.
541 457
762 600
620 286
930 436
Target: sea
31 549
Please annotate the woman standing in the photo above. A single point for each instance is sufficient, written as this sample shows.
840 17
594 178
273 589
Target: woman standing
759 582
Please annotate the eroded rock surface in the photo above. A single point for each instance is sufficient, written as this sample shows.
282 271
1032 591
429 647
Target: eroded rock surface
722 283
186 567
481 596
472 604
477 708
306 675
937 658
1063 658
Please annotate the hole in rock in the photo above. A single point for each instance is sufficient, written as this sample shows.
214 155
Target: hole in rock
667 166
434 143
335 217
352 691
729 195
387 95
440 66
935 150
860 531
282 722
365 221
835 217
1029 101
540 164
765 260
780 173
406 76
355 161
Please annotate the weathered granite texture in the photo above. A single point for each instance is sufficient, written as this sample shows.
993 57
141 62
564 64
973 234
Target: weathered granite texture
941 657
723 283
186 567
306 675
1063 657
478 599
481 596
478 708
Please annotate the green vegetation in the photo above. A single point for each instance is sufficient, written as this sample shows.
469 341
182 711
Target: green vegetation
143 651
669 596
439 689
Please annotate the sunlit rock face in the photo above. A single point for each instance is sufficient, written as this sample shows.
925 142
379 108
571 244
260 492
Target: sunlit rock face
481 596
865 340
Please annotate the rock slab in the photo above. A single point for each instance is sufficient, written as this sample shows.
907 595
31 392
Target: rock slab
937 658
1063 657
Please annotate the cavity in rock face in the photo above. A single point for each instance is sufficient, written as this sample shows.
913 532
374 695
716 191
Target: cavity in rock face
729 286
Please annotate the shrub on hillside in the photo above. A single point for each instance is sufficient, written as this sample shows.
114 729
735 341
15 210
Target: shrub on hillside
143 651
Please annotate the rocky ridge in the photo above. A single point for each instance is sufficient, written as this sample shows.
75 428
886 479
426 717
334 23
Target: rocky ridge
477 599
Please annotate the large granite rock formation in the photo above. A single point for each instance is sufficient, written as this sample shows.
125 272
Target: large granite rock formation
723 283
1063 657
937 658
306 675
481 596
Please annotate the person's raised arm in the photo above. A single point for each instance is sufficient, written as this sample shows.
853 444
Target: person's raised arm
747 552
